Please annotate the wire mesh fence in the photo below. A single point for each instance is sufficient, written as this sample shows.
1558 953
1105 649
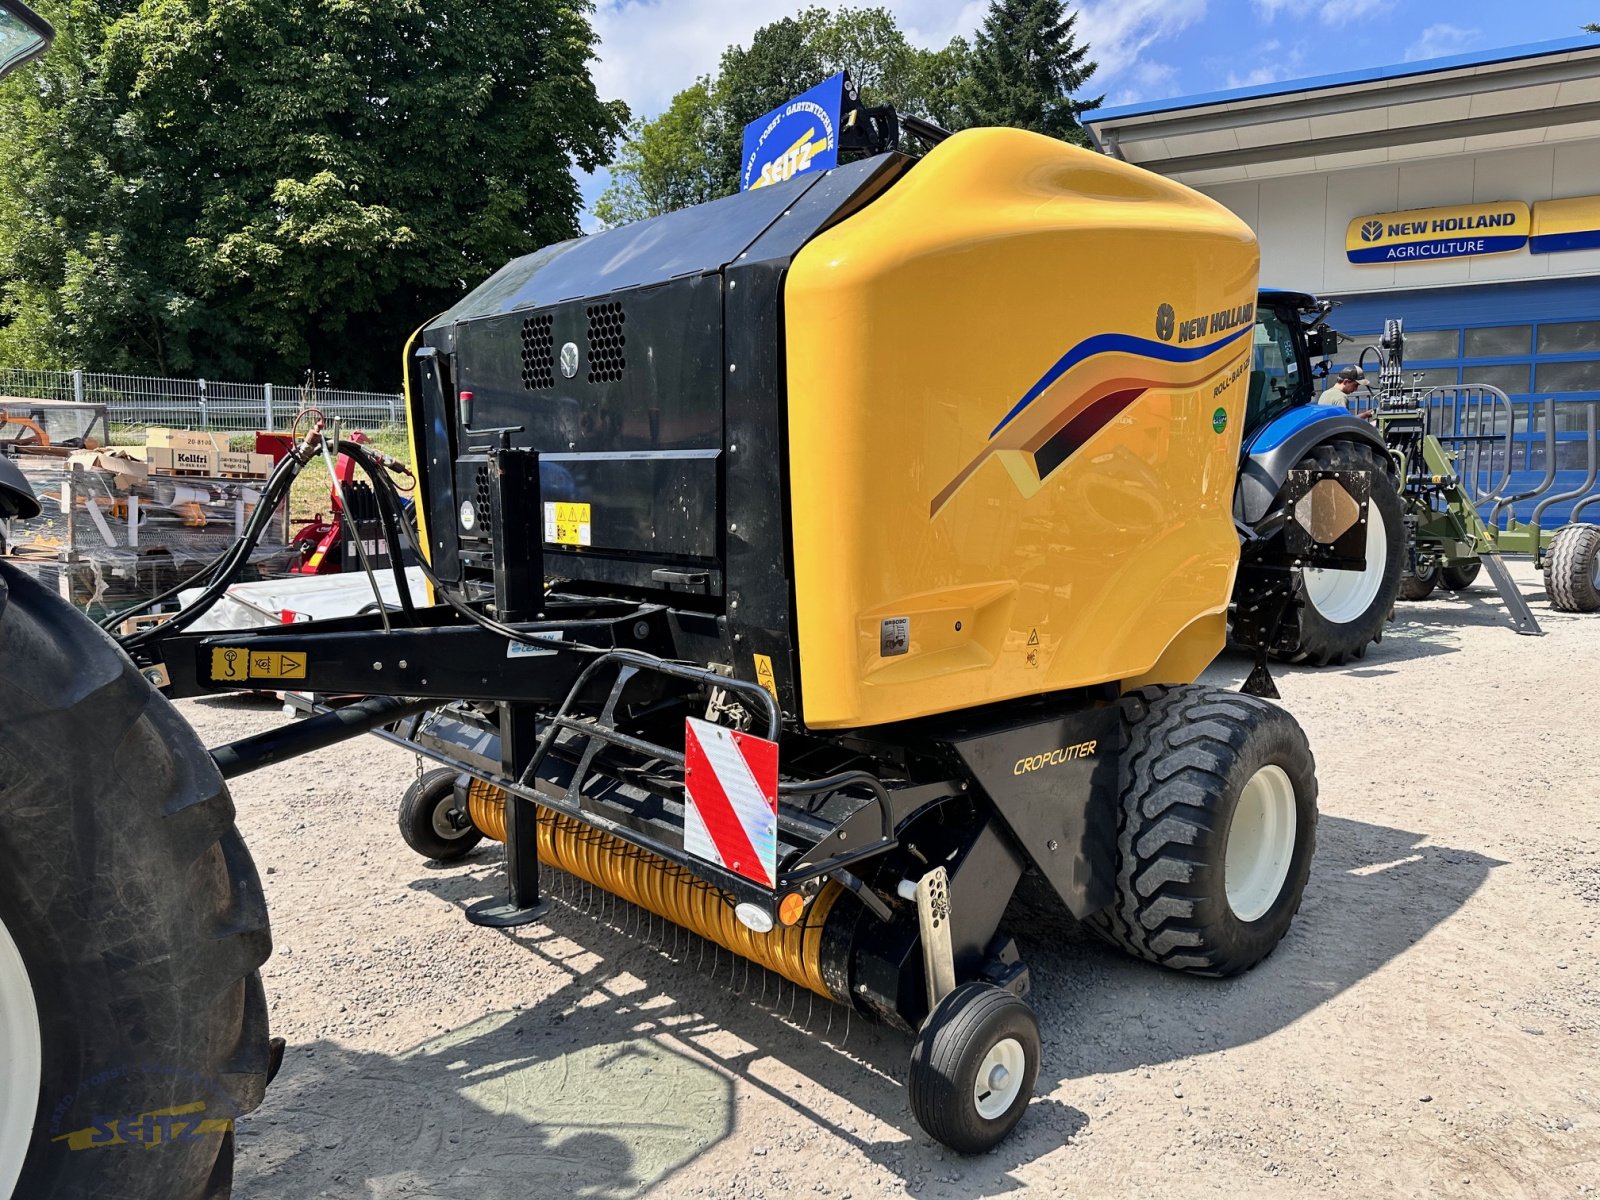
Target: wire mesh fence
141 401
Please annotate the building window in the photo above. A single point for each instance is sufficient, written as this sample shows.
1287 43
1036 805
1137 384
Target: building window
1427 345
1510 378
1499 341
1569 337
1569 376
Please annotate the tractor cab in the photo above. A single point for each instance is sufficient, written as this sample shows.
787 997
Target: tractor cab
1290 359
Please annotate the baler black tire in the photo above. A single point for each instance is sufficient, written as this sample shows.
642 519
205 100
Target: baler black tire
419 809
1459 579
958 1035
136 918
1572 569
1419 586
1191 751
1324 642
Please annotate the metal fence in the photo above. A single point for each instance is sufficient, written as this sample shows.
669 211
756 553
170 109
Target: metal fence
143 400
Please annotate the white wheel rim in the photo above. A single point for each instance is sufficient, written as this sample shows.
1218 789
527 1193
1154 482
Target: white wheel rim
1342 596
1260 843
21 1061
999 1079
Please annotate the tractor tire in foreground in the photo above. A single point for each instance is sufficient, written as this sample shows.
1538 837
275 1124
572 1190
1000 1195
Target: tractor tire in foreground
1572 569
1345 611
1216 829
133 1025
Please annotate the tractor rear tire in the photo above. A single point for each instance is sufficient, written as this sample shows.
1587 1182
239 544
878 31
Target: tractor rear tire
1419 586
1459 579
1572 569
1344 611
1216 829
133 1024
425 823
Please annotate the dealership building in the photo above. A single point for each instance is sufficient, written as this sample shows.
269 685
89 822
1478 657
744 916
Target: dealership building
1461 194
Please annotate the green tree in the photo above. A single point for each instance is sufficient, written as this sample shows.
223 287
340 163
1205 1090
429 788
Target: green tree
691 152
666 163
248 187
1025 68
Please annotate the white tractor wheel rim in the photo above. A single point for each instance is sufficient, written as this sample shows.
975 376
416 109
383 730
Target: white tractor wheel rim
1342 596
21 1061
999 1079
1260 843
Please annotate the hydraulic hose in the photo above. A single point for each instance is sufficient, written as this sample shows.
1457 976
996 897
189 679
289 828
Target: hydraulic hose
388 514
383 484
277 487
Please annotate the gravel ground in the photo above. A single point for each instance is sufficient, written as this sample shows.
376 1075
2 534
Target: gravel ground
1429 1028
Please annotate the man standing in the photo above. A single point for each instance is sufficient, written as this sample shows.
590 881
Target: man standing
1345 384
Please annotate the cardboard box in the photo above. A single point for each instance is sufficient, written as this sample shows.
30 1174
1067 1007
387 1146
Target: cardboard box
185 439
179 461
245 464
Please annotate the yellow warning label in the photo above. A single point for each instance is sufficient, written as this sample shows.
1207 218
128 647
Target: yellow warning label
235 664
567 524
764 674
1033 637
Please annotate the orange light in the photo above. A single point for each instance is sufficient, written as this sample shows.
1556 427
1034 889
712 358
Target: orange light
790 908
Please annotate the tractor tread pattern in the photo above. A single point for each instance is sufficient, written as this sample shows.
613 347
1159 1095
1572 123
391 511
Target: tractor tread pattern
1569 569
1188 736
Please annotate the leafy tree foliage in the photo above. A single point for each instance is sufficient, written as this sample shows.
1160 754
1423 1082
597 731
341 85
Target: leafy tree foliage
691 152
248 187
1025 68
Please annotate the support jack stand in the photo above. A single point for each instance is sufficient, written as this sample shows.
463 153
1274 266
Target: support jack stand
522 905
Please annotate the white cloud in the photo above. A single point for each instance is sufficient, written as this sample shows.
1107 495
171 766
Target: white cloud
1275 62
1119 31
1330 12
1146 80
1438 41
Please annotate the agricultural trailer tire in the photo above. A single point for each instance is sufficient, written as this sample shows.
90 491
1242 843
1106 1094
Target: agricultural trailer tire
1572 569
1216 829
426 819
1419 585
1459 579
973 1067
133 1024
1344 611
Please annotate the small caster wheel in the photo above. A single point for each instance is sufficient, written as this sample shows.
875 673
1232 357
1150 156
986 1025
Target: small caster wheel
429 823
973 1066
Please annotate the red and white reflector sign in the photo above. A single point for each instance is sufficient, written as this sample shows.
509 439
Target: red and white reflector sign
731 788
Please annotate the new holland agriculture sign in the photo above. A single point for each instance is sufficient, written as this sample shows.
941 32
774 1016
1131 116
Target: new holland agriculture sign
799 138
1424 234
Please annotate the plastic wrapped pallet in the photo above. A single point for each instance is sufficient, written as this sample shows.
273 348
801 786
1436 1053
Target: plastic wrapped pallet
110 533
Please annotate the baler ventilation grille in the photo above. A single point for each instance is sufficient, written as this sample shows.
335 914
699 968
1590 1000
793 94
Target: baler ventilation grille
485 517
606 342
538 353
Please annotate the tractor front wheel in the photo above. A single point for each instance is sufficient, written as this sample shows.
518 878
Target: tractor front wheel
1344 611
133 1024
1216 828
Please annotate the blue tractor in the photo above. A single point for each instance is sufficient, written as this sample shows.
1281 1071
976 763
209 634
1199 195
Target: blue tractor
1305 614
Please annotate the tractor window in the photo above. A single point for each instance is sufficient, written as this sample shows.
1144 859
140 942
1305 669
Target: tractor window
1274 370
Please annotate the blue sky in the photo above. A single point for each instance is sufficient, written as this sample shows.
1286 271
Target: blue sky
1147 49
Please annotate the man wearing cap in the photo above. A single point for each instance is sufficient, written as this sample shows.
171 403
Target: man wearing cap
1345 384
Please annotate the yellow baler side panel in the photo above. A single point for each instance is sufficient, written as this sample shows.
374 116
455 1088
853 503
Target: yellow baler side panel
1016 386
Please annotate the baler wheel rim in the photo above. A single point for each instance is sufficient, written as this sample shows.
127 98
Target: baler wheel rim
999 1079
21 1060
1260 847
